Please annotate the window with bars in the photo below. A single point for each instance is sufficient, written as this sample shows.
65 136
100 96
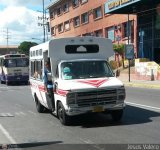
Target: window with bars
52 15
98 33
85 18
77 21
53 30
75 3
60 27
66 7
84 1
67 25
59 11
97 13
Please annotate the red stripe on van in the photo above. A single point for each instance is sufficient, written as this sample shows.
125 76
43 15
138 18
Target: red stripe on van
62 92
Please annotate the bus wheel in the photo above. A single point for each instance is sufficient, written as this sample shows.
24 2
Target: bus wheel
2 82
117 115
64 119
39 106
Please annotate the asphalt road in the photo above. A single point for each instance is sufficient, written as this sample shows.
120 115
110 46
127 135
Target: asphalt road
20 124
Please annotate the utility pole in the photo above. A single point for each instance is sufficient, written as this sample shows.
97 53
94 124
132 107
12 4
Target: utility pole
44 22
7 37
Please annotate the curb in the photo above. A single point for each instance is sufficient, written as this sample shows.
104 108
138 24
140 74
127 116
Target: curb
153 86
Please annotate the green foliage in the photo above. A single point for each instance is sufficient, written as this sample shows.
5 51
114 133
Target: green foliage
25 46
113 64
119 48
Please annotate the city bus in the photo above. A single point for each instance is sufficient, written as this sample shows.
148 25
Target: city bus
14 68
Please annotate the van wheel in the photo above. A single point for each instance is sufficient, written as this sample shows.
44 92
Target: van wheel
64 119
117 115
39 106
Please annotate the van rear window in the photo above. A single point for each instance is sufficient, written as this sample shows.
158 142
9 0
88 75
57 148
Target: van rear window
74 49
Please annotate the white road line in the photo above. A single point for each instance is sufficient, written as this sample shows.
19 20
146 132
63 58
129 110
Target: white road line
17 113
22 113
9 115
32 112
87 141
5 132
144 106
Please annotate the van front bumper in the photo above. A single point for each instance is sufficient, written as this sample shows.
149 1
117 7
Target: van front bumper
72 111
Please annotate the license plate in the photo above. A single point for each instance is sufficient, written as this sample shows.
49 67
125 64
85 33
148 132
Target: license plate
98 109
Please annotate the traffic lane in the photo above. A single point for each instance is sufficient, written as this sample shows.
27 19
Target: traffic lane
137 126
14 98
149 97
29 126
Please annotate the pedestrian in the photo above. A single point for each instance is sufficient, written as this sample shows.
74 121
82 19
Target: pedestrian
49 85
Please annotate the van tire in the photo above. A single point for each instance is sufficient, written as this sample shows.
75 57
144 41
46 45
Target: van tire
39 106
117 115
63 117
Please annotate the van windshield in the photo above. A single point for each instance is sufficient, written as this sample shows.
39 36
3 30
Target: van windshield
17 62
85 69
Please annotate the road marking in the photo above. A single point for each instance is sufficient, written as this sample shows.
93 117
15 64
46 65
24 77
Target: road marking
144 106
87 141
6 133
20 113
32 112
6 115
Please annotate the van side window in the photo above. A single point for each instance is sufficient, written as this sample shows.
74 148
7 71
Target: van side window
36 69
32 68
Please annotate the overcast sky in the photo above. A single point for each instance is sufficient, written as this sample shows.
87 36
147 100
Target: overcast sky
21 19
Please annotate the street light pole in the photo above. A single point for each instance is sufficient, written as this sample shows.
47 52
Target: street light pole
43 23
128 31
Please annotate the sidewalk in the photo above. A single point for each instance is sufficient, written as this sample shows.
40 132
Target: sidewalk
139 83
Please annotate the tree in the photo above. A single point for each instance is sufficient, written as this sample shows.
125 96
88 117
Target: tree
120 49
25 46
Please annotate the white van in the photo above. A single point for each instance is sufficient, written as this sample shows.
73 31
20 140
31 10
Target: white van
83 80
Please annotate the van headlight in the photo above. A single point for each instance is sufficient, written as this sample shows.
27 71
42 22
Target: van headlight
71 98
121 93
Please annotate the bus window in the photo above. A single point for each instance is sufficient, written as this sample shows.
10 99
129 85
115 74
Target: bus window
22 62
10 63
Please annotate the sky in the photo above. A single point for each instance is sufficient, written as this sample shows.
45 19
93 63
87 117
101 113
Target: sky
20 17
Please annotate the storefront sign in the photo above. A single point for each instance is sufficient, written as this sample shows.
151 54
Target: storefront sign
112 5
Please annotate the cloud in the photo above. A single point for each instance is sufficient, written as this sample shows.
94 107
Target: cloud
22 23
20 2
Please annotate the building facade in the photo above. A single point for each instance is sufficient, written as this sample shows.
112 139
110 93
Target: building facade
8 50
88 18
148 24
